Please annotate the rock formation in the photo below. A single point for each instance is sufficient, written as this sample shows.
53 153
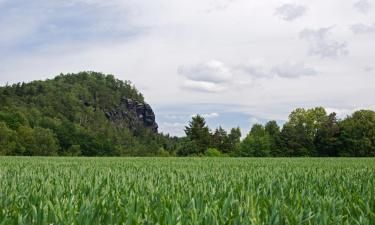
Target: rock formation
133 115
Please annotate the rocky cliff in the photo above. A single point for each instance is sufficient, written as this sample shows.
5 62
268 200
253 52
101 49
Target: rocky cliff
133 114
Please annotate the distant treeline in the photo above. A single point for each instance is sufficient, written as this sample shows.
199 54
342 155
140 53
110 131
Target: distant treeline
66 116
310 132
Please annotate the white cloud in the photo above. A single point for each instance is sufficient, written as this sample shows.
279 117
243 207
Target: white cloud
293 70
360 28
204 86
216 77
363 6
210 72
321 44
207 115
211 76
342 113
290 12
210 115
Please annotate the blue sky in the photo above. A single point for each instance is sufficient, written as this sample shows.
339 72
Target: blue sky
237 62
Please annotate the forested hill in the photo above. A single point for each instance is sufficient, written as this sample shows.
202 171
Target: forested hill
77 114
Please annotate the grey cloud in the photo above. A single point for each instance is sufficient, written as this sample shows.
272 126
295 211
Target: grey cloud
368 69
219 5
293 70
290 12
360 28
322 45
363 6
255 68
261 69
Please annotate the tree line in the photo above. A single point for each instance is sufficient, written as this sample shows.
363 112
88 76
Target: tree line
65 116
310 132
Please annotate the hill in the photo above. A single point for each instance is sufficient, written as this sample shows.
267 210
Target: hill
88 113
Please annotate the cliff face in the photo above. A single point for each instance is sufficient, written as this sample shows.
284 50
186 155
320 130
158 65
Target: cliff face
133 114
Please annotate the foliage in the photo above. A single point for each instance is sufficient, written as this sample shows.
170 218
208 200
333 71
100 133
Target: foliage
257 143
198 132
66 116
274 133
358 134
213 152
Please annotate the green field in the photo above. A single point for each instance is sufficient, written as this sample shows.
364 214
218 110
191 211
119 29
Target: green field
186 191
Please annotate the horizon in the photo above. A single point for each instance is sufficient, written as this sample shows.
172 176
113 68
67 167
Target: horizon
235 62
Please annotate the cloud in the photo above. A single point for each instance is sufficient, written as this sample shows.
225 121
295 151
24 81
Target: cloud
363 6
218 5
211 76
259 69
342 113
203 86
290 12
211 72
293 70
360 28
207 115
215 76
322 45
210 115
368 69
256 68
31 25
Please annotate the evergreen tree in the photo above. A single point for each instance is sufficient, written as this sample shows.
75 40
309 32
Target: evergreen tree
199 133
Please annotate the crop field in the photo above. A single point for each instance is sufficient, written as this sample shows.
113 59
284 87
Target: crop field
186 191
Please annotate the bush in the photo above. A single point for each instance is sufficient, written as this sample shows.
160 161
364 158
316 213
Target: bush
213 152
163 153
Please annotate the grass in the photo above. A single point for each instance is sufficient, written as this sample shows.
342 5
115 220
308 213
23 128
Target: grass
186 191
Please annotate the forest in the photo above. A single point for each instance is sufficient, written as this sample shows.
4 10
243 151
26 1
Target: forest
78 115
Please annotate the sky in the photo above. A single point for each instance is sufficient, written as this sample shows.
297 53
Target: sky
236 62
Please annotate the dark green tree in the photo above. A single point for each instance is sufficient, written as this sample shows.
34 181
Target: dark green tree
273 130
220 140
8 140
187 147
326 140
358 134
198 132
234 139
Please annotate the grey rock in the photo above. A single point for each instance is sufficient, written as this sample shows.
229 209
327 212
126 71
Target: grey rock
133 114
